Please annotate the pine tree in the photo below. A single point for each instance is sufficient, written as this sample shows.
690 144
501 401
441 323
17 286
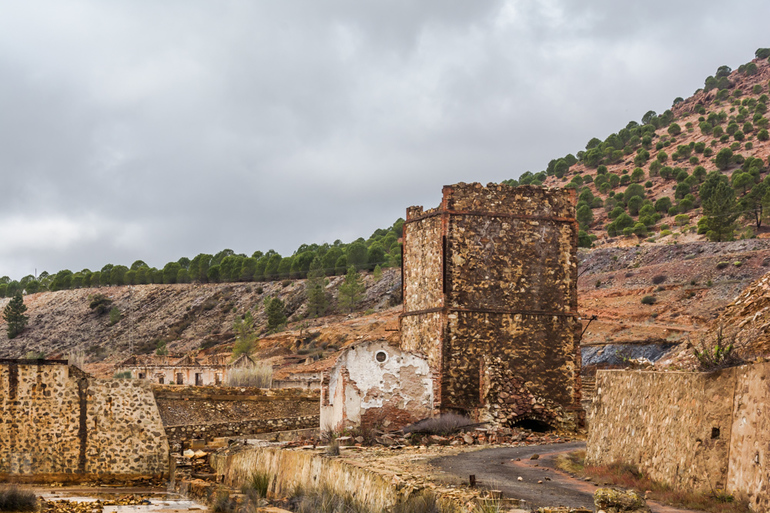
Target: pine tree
14 315
244 335
720 212
315 288
275 315
351 290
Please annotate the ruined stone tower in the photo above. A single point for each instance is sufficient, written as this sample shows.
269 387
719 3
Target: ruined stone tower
490 299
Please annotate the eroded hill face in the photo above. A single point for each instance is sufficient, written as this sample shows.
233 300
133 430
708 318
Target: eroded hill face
197 318
664 293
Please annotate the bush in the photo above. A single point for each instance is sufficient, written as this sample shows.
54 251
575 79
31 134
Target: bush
717 352
722 265
657 280
14 499
649 300
99 303
674 129
114 316
763 135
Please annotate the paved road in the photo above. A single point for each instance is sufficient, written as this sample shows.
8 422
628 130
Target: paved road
498 469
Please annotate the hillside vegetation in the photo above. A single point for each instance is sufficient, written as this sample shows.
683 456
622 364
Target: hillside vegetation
697 171
382 249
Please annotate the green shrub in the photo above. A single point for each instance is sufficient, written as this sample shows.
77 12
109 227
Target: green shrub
716 353
115 316
722 265
649 300
763 135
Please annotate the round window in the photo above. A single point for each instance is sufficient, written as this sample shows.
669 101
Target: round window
381 356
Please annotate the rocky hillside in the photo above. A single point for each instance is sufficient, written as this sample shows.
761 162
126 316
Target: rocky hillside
194 318
662 293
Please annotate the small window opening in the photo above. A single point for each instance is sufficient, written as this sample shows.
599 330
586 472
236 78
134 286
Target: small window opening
141 375
714 433
198 379
381 356
538 426
179 378
160 380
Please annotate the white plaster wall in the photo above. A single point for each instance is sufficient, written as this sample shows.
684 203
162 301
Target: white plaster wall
403 379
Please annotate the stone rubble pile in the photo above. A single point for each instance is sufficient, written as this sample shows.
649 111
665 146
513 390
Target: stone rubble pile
475 436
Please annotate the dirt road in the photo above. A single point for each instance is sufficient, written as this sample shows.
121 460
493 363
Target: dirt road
537 482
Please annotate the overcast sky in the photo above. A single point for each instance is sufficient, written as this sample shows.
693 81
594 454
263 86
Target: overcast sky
160 129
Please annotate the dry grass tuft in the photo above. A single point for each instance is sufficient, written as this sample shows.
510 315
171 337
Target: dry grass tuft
260 376
14 499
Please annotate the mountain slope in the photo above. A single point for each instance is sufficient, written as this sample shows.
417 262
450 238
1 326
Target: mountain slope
671 150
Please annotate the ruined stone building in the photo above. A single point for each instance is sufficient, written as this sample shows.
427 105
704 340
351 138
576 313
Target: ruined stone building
59 424
183 370
490 306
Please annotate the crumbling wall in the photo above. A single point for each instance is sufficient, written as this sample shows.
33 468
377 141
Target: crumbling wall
57 424
373 383
701 431
211 411
242 428
504 261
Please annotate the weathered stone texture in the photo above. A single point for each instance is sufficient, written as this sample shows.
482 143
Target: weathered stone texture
212 411
58 424
244 428
422 267
749 465
699 431
490 280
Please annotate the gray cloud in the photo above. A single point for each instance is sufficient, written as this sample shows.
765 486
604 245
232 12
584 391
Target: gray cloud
156 130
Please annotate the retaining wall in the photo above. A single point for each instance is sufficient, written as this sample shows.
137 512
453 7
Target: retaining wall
290 469
699 431
213 411
207 432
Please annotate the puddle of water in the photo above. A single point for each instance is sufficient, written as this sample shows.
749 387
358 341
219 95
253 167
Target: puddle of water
158 501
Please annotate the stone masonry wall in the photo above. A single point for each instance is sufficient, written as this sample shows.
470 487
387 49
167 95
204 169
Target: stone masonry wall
57 424
211 411
699 431
207 432
191 405
504 261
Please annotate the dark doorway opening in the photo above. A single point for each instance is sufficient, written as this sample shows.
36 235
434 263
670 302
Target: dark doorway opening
538 426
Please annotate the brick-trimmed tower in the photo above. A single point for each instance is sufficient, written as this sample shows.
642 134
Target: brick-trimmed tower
490 298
